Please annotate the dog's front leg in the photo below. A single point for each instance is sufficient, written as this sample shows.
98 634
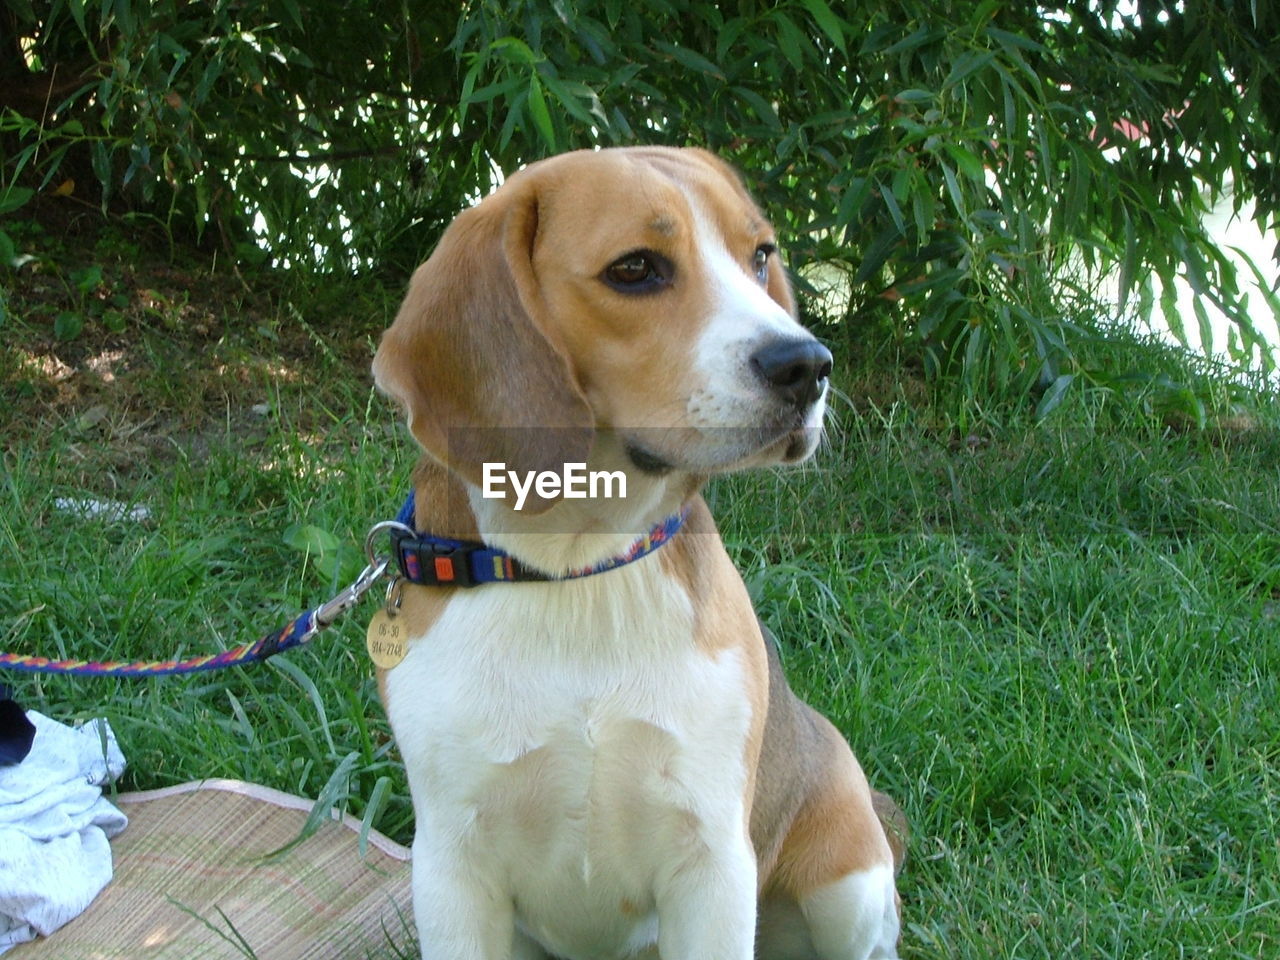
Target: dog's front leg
707 906
458 914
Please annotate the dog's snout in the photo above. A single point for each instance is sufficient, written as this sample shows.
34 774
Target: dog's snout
794 369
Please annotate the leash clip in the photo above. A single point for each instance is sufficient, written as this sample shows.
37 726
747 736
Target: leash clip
374 571
348 597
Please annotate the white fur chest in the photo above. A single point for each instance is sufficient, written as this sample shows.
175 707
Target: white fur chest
570 748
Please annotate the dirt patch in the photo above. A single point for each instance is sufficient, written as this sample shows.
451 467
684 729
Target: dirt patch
133 350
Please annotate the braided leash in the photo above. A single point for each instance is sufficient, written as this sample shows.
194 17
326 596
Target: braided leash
302 629
417 558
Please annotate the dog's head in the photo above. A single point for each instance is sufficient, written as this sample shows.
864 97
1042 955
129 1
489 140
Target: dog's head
633 290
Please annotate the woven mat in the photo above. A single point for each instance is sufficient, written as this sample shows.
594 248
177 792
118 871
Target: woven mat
189 868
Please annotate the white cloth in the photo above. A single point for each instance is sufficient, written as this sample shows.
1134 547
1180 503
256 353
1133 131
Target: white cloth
54 827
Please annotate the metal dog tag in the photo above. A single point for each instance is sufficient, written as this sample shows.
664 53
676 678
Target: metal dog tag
387 640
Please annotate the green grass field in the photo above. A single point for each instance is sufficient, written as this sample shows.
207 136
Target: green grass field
1055 644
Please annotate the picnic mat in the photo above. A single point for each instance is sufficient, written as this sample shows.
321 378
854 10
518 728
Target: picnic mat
191 883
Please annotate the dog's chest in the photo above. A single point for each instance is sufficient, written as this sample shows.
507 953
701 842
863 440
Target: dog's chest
573 743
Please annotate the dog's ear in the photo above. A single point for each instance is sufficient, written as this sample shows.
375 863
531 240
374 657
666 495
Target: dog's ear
469 356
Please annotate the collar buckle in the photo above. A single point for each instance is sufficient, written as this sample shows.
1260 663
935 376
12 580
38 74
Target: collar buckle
433 563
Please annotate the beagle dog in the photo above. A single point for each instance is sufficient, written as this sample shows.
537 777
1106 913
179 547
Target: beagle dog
613 765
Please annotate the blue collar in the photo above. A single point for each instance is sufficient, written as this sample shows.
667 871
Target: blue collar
428 560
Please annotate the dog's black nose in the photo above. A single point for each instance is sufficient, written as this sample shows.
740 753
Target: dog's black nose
795 370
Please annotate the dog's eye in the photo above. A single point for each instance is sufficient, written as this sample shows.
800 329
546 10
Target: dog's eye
631 270
638 272
761 263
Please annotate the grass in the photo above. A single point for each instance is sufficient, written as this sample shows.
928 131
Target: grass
1054 643
1059 649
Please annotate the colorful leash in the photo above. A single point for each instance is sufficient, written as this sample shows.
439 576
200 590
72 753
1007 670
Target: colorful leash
419 558
300 630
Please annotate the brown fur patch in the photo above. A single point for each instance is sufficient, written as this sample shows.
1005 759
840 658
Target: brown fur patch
836 830
440 507
814 819
723 619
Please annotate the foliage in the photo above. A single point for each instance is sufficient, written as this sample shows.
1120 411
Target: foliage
970 168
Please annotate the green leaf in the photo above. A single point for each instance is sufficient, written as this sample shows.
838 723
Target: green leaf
953 188
67 325
494 90
974 350
916 38
13 198
295 13
895 211
1202 321
100 160
620 125
855 195
1129 263
570 96
790 40
124 16
1146 297
1269 296
914 95
1053 396
924 212
308 686
1077 191
310 539
87 279
178 52
335 790
202 204
966 161
509 127
1012 117
694 61
540 114
1007 39
373 807
1169 307
77 14
762 107
205 85
877 254
514 49
831 25
966 65
1195 267
728 36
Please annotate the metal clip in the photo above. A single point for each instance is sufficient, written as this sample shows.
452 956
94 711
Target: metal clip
376 569
383 527
349 596
395 594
